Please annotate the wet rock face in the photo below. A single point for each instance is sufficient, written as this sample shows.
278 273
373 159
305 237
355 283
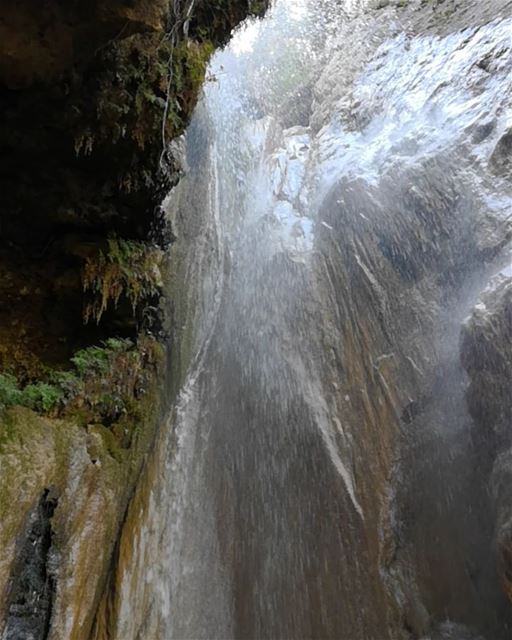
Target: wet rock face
33 590
486 352
360 351
501 158
83 88
450 631
64 489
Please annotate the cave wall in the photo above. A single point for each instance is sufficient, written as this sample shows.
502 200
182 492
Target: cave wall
90 96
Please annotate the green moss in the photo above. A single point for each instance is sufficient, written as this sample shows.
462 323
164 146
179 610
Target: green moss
257 7
216 19
9 391
7 429
109 442
111 377
106 385
41 397
66 381
144 96
21 430
190 60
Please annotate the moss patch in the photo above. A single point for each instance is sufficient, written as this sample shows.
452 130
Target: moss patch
91 469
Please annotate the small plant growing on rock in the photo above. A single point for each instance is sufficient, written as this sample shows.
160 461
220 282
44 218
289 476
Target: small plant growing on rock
126 268
93 360
10 394
103 386
42 397
111 376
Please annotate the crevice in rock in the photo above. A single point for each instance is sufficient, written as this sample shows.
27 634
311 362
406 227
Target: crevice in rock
33 584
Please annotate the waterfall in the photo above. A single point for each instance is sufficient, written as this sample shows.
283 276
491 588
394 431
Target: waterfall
339 213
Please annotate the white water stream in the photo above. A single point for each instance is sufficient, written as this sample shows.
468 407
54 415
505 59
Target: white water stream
320 125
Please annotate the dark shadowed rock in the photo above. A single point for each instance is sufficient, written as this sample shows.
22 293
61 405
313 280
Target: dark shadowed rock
501 159
486 352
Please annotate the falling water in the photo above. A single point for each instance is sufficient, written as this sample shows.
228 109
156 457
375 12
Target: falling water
339 213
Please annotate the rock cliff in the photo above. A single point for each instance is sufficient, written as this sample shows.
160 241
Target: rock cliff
90 96
486 350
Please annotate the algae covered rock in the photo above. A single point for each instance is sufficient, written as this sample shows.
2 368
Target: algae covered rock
63 493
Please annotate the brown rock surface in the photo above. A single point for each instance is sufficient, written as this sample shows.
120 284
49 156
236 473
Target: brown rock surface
82 97
486 352
40 40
